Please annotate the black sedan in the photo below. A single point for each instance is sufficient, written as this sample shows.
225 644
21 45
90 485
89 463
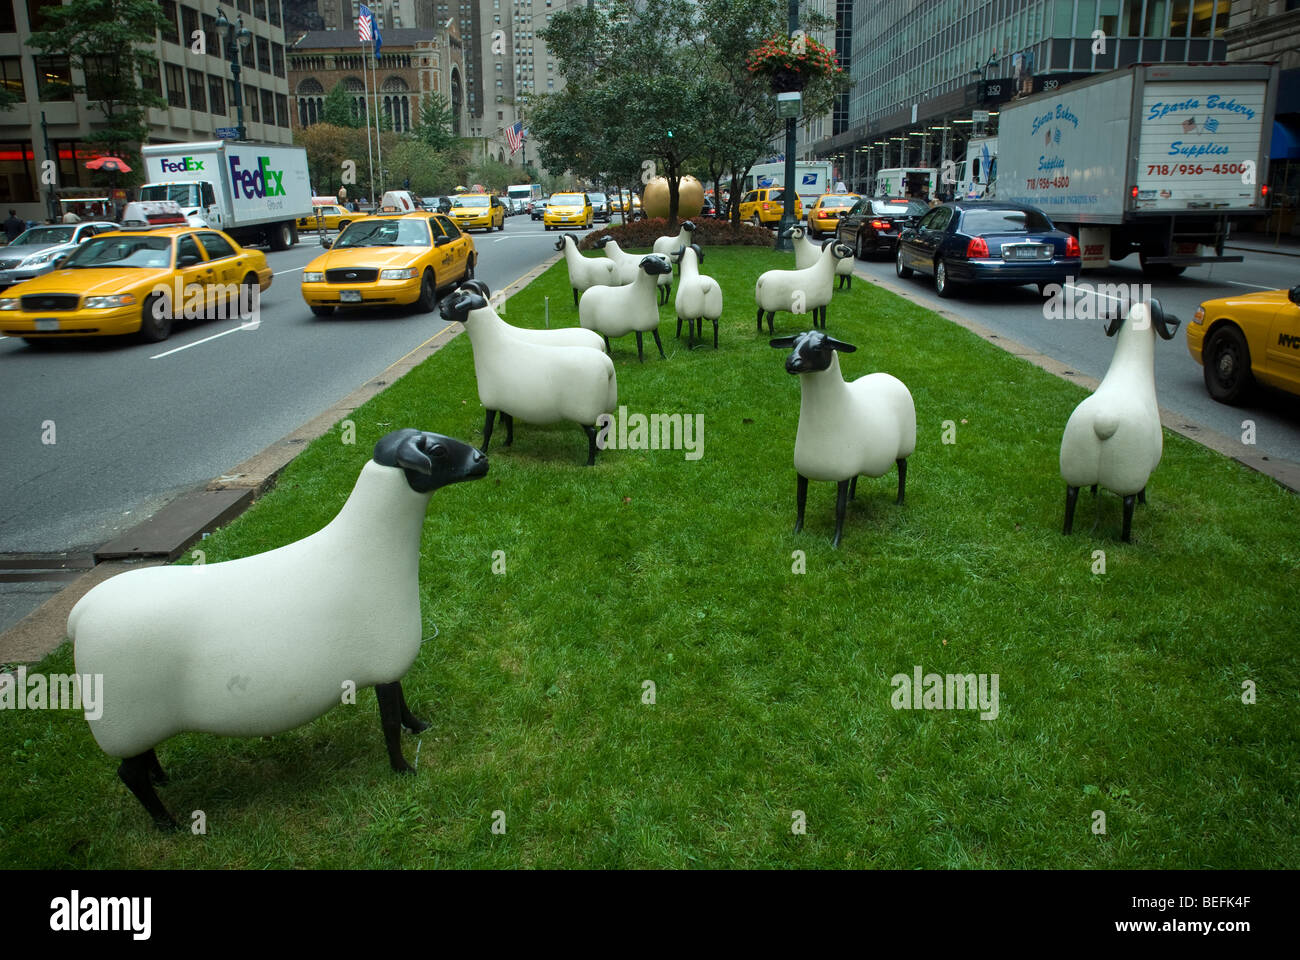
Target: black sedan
872 225
977 241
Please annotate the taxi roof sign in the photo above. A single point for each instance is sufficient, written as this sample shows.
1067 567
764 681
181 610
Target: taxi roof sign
153 213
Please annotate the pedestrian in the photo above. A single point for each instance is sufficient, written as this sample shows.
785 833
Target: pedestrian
13 226
71 217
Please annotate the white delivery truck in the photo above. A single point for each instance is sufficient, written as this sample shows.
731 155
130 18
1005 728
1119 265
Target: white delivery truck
253 191
1151 160
527 192
812 178
977 174
906 182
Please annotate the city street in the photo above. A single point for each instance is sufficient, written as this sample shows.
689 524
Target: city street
136 424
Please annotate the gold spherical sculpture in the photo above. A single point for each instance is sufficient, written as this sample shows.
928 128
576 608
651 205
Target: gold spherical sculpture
690 198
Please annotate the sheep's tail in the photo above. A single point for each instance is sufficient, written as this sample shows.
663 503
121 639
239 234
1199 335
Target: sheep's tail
1104 425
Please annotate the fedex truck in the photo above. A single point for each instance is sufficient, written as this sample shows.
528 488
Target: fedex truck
253 191
1150 159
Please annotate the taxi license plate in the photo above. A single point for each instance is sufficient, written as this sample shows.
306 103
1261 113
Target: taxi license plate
349 296
46 324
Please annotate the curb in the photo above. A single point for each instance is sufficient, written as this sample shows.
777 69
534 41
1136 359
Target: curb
44 629
1285 473
1276 253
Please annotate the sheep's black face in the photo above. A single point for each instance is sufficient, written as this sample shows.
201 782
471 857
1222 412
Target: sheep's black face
656 265
455 308
430 460
699 254
603 242
477 286
812 351
688 226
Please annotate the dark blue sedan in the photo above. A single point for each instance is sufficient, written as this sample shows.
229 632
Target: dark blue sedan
981 241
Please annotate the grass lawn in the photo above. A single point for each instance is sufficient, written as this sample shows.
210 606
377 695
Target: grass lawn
1119 692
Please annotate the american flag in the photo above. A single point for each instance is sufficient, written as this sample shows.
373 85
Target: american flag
515 137
365 24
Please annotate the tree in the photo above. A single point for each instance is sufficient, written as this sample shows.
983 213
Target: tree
435 127
337 110
493 174
104 40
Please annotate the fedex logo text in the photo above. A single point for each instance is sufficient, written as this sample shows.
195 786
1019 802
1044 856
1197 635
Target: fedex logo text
183 165
262 182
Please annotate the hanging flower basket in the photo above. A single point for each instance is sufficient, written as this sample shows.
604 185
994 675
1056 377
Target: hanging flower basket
791 63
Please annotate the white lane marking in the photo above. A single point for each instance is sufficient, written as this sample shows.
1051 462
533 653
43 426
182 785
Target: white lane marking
293 270
1092 292
168 353
1242 283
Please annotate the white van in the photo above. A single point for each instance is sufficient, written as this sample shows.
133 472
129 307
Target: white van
902 181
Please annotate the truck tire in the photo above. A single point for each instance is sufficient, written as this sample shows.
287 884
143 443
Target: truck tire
1159 269
281 235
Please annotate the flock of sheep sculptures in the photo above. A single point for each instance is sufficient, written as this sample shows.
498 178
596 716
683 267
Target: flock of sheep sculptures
219 648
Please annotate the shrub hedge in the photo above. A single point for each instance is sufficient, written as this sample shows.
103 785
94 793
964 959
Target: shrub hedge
641 234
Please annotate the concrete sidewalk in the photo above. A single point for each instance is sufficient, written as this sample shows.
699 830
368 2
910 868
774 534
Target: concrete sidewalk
1285 246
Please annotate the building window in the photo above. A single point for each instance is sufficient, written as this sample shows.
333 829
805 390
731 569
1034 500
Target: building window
217 96
250 103
71 161
232 95
274 6
17 172
242 6
281 110
149 79
259 9
189 23
53 78
175 85
264 54
210 35
7 24
169 31
268 107
277 59
11 77
198 95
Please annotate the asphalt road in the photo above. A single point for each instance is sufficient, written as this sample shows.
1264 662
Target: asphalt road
137 424
1018 313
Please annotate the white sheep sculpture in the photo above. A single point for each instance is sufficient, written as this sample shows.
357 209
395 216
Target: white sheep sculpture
535 382
799 291
549 336
263 644
630 263
806 253
671 247
586 272
615 311
699 298
846 430
1113 438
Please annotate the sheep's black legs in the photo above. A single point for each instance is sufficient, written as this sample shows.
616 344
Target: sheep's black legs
136 773
1071 498
659 343
853 489
390 718
679 328
487 428
902 478
1142 496
575 296
591 445
509 421
608 348
715 332
760 319
409 720
800 498
640 353
771 315
156 772
841 505
1128 518
1094 489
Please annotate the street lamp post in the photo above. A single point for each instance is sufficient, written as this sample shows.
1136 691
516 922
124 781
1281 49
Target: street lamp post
237 37
787 209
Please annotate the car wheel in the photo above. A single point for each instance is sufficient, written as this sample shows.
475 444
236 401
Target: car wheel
428 292
343 225
1227 365
861 251
153 328
322 310
40 343
469 268
281 236
943 286
899 268
756 222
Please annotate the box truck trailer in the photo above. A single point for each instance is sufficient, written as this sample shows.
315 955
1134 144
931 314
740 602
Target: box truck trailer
1150 159
255 192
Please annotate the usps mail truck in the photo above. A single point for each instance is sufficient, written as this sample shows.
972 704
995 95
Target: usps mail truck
253 191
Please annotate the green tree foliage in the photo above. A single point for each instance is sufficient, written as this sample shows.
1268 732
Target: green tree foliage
336 111
435 127
108 42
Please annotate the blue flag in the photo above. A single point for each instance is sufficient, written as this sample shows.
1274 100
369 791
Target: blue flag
379 41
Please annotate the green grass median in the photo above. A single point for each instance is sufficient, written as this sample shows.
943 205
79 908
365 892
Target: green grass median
1120 692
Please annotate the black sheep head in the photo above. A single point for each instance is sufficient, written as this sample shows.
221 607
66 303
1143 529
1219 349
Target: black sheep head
655 264
1165 324
602 242
430 460
688 226
455 308
812 351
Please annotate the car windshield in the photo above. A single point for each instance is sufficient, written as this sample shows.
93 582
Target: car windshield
44 236
470 202
776 194
122 250
597 197
568 200
978 222
373 232
182 193
838 202
899 208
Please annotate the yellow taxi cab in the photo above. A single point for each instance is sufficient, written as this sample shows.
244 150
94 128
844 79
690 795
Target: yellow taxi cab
763 207
1252 338
825 214
474 211
330 216
567 210
388 260
154 269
